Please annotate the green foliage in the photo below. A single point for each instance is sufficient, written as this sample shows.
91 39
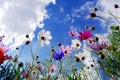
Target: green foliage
111 63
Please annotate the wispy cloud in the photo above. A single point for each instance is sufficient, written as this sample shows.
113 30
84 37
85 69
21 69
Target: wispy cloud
20 17
67 18
83 10
61 9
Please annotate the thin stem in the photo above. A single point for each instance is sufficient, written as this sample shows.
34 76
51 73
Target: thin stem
61 70
37 48
21 50
32 54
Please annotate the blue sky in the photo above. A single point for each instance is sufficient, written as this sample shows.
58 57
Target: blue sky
56 16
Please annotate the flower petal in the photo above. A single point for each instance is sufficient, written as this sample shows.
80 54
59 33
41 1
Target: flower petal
47 42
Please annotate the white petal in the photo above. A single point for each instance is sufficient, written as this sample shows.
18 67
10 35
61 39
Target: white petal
47 42
42 43
47 35
75 41
42 32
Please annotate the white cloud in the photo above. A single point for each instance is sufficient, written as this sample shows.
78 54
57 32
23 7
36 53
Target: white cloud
20 17
106 7
86 6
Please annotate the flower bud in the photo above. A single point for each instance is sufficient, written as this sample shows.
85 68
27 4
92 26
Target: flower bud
27 36
100 54
95 38
86 27
92 15
95 9
116 6
20 64
92 28
59 44
77 59
27 42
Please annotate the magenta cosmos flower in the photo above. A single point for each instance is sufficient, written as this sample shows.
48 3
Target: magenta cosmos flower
84 35
67 50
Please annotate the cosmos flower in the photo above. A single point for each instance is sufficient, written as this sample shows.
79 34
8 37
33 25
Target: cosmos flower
34 72
40 67
44 37
76 44
25 73
66 49
57 55
3 50
52 68
84 35
81 56
72 33
95 46
103 45
84 57
89 41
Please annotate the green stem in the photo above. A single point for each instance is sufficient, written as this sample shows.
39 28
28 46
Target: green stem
61 70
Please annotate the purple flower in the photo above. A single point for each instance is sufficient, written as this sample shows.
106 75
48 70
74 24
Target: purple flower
95 46
103 45
57 55
84 35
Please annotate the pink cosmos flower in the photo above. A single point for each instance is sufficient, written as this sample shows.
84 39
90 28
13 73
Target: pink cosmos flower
25 73
72 33
52 68
84 35
40 67
95 46
66 49
4 47
89 41
103 45
31 78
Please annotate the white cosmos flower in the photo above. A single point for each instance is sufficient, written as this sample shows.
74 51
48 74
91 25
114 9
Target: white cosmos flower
44 37
81 56
85 57
76 44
